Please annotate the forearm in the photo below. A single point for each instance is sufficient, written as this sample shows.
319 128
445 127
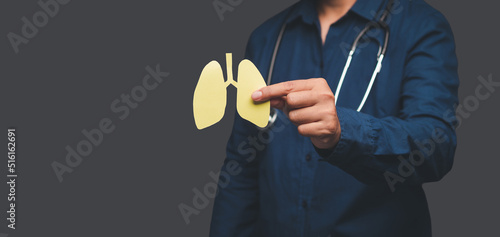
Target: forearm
394 150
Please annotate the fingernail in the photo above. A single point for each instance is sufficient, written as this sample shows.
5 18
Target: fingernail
256 95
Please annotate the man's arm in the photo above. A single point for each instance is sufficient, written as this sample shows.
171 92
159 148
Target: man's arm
414 147
419 144
236 206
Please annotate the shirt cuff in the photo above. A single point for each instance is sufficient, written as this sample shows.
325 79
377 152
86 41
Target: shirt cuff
357 138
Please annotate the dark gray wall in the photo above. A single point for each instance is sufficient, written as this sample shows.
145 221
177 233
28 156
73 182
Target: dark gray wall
465 202
91 52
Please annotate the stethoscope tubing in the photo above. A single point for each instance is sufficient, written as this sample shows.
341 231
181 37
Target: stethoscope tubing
380 57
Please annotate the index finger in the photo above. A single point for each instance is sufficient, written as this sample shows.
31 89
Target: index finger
280 89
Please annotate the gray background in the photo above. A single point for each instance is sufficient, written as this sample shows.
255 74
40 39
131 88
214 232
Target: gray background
91 52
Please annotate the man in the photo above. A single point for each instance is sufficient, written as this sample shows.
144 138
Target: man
323 168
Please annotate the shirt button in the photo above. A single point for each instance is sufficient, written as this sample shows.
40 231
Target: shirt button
308 157
304 204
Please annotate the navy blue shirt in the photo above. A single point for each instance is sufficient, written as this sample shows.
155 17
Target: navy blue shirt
275 183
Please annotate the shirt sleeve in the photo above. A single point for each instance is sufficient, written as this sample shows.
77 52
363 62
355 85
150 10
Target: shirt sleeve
418 145
236 205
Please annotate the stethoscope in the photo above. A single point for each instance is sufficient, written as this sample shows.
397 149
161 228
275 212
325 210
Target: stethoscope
380 57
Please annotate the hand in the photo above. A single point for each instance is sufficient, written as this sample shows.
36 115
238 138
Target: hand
309 104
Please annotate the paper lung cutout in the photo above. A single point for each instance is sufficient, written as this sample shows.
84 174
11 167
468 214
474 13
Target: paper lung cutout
210 96
209 102
250 80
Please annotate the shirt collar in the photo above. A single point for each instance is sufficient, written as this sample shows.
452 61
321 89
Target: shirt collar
306 9
369 9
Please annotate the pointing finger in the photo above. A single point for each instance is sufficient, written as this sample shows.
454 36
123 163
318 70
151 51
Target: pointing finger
281 89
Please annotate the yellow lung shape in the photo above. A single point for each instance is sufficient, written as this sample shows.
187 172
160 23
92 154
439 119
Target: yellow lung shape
250 80
209 101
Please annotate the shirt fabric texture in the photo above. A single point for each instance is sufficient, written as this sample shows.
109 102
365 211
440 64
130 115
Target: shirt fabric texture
275 183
